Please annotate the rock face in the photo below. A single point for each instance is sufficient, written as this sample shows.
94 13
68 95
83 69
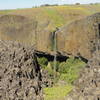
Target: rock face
77 38
20 77
17 28
87 87
74 39
25 30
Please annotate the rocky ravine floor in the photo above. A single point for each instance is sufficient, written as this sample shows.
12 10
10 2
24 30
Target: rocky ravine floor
20 77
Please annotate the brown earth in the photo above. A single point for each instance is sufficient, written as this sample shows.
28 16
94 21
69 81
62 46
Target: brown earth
20 76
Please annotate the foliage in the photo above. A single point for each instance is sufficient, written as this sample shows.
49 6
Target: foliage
57 92
50 70
64 67
42 61
69 70
55 66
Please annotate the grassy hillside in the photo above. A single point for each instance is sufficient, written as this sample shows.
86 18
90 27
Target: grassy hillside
55 16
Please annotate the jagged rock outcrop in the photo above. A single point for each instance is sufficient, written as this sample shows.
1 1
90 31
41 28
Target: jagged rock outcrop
47 80
20 76
87 87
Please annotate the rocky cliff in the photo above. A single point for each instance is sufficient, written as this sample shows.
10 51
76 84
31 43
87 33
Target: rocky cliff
77 38
20 77
74 39
25 30
17 28
87 87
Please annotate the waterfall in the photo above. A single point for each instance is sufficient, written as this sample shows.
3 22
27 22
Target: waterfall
55 52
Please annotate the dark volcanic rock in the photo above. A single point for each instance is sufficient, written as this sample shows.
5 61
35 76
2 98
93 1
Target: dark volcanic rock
20 77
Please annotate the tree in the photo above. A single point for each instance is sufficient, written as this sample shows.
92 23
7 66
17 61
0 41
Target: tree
77 4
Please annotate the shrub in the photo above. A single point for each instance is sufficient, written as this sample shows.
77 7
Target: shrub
69 70
42 61
63 77
50 71
65 66
77 4
56 66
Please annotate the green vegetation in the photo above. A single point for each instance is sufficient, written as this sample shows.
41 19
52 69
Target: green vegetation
43 62
67 72
57 92
56 16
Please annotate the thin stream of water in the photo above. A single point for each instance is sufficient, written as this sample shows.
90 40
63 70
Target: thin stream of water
55 51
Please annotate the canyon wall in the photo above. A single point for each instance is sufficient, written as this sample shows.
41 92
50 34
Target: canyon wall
78 37
75 39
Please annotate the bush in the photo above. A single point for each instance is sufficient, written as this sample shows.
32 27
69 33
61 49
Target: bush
65 66
77 4
69 70
55 67
42 61
50 71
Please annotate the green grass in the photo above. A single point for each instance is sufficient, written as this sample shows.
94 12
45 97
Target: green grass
56 18
4 12
57 92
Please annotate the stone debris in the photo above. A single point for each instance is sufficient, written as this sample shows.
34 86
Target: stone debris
20 77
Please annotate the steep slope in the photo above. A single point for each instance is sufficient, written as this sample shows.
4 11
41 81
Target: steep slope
77 38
